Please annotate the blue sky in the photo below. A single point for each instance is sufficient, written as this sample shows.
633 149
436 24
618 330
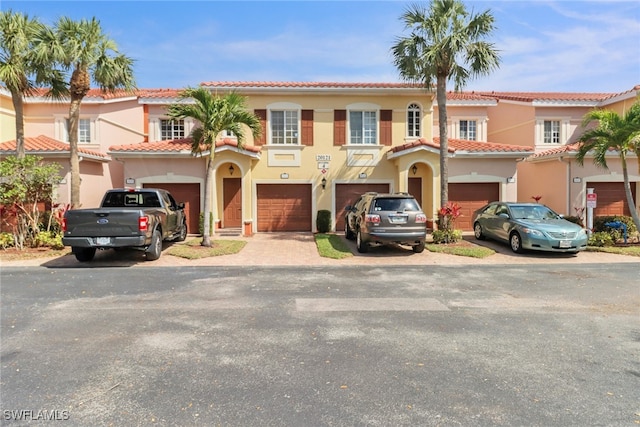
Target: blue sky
565 46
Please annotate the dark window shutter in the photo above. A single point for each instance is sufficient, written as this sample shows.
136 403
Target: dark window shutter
307 127
385 127
339 127
262 116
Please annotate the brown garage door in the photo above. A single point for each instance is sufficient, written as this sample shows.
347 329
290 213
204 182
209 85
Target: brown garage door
190 195
470 197
284 207
347 194
611 198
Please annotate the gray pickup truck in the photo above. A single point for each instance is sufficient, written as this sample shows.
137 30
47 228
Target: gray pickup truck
139 218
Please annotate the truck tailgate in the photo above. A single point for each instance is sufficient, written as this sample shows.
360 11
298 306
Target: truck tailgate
103 222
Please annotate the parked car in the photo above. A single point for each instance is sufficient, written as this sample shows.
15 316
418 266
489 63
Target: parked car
139 218
528 226
377 219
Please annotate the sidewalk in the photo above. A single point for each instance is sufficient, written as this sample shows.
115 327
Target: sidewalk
293 249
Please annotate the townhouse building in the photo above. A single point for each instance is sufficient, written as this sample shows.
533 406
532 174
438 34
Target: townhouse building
322 145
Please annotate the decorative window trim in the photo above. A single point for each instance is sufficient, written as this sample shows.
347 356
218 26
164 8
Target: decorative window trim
284 155
284 106
61 131
565 131
362 107
481 127
155 132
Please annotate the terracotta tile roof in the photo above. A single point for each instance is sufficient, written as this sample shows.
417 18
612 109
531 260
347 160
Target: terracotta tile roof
94 94
175 146
556 151
44 146
549 96
462 145
307 85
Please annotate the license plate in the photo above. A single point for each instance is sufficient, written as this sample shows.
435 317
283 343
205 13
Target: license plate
103 240
397 219
565 243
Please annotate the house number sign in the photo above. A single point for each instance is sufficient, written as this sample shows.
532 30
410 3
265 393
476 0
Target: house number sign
323 157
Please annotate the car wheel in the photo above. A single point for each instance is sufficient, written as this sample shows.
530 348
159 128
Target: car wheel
363 247
419 248
155 248
83 254
477 231
183 233
347 231
516 243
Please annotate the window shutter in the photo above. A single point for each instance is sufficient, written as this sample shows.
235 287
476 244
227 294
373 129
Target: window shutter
339 127
307 127
385 127
262 116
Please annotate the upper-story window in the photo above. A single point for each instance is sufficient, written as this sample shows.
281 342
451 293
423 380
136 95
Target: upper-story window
284 127
413 121
363 127
171 129
84 131
468 130
551 132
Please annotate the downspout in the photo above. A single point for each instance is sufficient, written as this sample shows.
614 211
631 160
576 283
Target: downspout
568 179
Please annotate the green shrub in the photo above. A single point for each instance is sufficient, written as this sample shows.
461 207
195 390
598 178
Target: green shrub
48 239
601 238
615 233
323 221
6 240
446 236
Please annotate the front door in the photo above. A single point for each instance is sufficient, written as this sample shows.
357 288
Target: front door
232 199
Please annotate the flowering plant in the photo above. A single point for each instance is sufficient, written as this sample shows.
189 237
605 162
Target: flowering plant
536 198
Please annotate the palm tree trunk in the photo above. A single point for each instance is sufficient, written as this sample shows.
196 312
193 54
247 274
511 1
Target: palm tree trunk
441 96
18 107
208 181
74 159
627 191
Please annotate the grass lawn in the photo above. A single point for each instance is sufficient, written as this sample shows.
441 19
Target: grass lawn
461 248
632 250
332 246
191 249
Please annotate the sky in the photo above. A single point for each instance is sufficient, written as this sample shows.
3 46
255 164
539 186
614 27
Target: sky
545 46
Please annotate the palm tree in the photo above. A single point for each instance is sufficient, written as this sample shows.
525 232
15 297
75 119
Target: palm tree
81 48
613 133
446 43
214 114
18 33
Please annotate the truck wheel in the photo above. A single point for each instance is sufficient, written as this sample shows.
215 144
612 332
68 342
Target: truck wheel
155 248
363 247
183 233
419 248
83 254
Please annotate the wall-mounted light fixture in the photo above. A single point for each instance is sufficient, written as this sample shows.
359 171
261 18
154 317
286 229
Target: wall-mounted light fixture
511 179
577 179
414 169
231 169
284 176
130 181
324 182
362 175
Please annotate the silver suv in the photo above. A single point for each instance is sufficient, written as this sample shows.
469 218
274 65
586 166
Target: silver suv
377 219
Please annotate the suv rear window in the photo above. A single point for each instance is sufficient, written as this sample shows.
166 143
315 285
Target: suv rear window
398 205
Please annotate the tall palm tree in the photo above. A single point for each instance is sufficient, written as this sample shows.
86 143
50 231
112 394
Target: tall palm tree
18 33
446 43
214 114
613 133
82 49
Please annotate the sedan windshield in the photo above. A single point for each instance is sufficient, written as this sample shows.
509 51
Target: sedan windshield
533 212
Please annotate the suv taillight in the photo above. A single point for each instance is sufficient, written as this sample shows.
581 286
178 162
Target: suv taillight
143 223
372 218
421 219
64 224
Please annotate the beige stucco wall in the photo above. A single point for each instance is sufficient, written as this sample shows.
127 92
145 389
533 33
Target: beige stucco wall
7 118
511 123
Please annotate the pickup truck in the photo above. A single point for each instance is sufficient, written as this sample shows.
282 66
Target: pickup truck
140 218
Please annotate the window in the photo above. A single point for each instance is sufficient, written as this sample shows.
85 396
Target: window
468 130
413 121
551 132
84 131
284 127
171 129
363 127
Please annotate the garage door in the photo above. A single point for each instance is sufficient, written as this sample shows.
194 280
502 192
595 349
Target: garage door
470 197
284 207
190 195
347 194
611 198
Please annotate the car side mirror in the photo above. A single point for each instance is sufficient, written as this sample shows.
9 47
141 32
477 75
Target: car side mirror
181 205
348 208
504 215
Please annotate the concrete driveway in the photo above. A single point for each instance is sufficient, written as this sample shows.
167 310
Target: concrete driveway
283 249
